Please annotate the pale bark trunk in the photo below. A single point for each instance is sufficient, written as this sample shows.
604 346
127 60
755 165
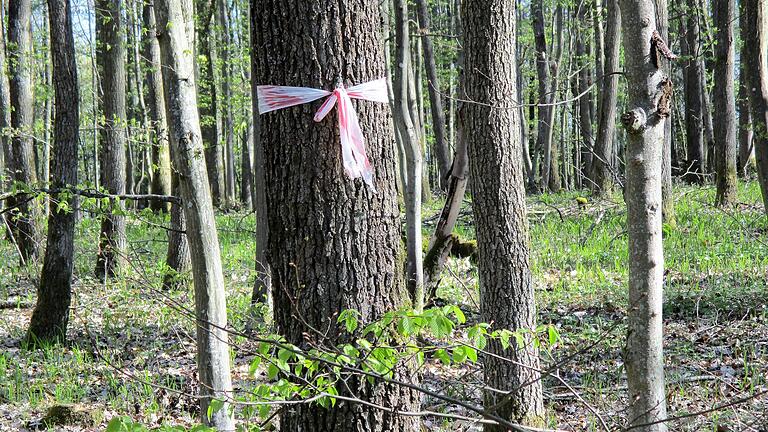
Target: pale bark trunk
51 315
603 171
496 167
6 172
315 276
226 90
667 198
24 219
186 138
647 88
694 124
756 37
405 123
544 135
161 156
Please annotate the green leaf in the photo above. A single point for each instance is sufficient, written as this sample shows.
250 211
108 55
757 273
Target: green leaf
443 356
254 366
214 407
554 336
272 371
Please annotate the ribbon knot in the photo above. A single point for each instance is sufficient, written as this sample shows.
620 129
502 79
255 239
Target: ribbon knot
353 153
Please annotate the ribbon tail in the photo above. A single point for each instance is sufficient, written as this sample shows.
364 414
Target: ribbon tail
353 153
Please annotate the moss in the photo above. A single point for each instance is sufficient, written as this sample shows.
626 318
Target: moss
72 415
464 249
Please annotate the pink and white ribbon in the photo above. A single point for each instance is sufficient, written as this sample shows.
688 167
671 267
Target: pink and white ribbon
355 161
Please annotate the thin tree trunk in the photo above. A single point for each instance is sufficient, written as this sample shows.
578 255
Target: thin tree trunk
644 122
210 299
756 37
603 171
226 90
315 275
667 198
24 218
177 258
435 100
51 315
725 132
161 156
495 163
405 123
746 151
584 81
6 170
554 161
694 124
543 137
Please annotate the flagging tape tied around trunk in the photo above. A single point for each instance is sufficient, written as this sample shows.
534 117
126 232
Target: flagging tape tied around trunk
353 154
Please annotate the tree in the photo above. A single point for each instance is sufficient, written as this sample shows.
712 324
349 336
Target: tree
667 196
209 118
222 17
602 168
404 121
496 168
725 110
315 275
756 36
161 156
23 218
694 125
51 314
544 134
186 138
5 111
644 122
110 56
442 152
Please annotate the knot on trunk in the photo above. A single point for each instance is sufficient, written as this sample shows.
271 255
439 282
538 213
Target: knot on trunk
659 49
664 104
634 120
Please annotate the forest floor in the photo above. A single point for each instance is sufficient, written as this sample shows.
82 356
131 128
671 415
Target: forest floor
131 345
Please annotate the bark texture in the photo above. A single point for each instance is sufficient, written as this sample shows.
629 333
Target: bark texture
23 219
694 123
725 110
544 128
333 243
756 38
51 315
496 167
110 57
210 299
648 97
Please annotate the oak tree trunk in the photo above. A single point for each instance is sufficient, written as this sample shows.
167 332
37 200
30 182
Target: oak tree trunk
496 167
725 110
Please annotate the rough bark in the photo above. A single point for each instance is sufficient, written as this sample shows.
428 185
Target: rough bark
584 82
667 194
186 138
51 315
5 112
694 125
649 93
435 99
603 171
316 275
23 220
110 57
262 286
161 156
404 121
496 167
725 110
177 257
746 151
756 37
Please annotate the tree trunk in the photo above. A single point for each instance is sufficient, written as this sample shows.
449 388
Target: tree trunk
110 56
694 125
226 90
667 198
435 100
649 96
406 125
603 172
262 287
584 81
161 156
208 98
756 37
544 134
51 314
186 138
177 257
5 114
552 155
316 276
24 219
725 132
746 151
496 167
